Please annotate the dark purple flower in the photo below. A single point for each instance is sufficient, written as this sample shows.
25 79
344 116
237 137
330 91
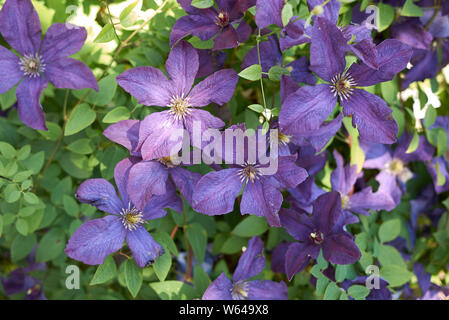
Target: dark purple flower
93 241
343 180
323 230
160 133
151 177
210 62
216 191
309 107
269 12
251 263
221 23
39 61
394 172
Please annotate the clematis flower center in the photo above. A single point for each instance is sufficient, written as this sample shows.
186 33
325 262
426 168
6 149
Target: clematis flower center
249 172
344 202
317 237
179 107
32 65
222 19
283 138
398 168
166 161
131 217
343 85
239 291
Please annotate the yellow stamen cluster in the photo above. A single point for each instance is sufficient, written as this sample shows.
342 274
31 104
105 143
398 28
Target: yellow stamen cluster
179 107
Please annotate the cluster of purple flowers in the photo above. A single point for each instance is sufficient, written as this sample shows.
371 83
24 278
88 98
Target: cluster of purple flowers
150 181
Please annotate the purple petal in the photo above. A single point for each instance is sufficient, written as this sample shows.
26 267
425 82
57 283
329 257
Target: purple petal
126 133
147 84
146 178
289 174
202 26
267 290
328 49
95 240
320 137
440 25
61 41
215 193
376 155
270 55
144 248
294 34
71 74
10 73
330 10
340 249
343 178
306 109
157 204
296 223
210 62
252 261
366 51
186 181
101 194
20 26
424 151
269 12
198 122
388 187
364 200
121 173
326 212
262 199
278 257
412 34
425 66
244 31
186 5
160 135
372 116
28 93
182 66
393 57
227 38
220 289
298 256
301 72
217 88
288 87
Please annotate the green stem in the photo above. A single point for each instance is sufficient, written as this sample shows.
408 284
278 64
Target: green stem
435 13
112 23
260 64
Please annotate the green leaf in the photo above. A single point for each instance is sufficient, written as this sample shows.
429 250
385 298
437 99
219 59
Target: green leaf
162 266
384 17
106 34
51 245
438 138
164 239
251 226
53 133
332 292
7 150
361 240
430 117
252 73
341 272
117 114
233 245
389 230
22 226
173 290
414 143
202 4
287 13
201 279
1 225
8 99
389 255
197 237
396 275
357 155
411 10
24 152
257 108
35 162
22 246
105 272
71 207
80 118
441 179
30 198
81 146
358 292
106 91
275 73
133 277
129 15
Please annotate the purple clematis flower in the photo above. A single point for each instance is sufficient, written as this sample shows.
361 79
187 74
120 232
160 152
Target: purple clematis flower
381 293
251 263
220 22
343 180
309 107
393 165
210 62
161 133
39 61
215 192
323 230
152 177
93 241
